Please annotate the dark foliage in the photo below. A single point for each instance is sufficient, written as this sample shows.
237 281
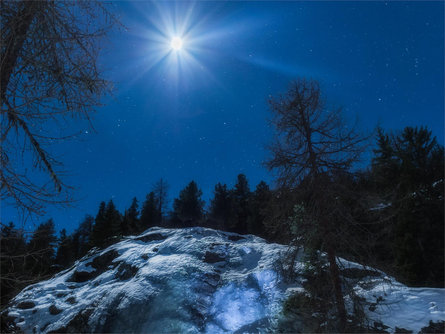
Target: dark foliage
390 217
41 250
130 221
13 252
408 171
221 207
150 215
188 209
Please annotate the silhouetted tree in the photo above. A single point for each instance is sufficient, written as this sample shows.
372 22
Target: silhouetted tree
188 209
41 250
64 255
130 221
313 144
82 237
260 200
12 255
221 206
408 168
160 191
240 205
49 73
114 221
98 233
149 212
108 224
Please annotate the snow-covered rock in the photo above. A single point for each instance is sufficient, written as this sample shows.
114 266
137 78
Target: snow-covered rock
194 280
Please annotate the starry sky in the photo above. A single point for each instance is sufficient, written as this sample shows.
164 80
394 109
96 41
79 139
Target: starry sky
201 113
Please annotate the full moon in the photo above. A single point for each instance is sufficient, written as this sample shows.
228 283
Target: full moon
176 43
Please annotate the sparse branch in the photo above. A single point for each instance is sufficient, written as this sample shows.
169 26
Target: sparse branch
49 74
312 149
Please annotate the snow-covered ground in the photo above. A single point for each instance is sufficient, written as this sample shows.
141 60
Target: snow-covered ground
194 280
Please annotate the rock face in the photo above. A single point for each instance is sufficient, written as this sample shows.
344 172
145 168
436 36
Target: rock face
163 281
190 280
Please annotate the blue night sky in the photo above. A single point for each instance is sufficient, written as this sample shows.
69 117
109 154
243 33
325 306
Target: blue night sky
201 113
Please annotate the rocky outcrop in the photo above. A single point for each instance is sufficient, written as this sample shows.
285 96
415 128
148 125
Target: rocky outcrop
190 280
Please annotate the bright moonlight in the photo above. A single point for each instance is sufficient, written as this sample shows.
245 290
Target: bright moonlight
176 43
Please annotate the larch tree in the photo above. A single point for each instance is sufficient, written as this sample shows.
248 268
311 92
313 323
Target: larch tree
13 252
312 146
49 75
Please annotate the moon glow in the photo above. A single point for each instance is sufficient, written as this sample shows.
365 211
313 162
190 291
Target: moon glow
176 43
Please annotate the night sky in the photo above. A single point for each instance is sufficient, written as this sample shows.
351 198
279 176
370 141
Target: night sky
201 113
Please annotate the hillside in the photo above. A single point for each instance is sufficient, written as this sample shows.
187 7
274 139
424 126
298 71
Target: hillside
197 280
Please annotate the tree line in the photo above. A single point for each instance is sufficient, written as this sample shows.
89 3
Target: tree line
30 257
399 211
388 215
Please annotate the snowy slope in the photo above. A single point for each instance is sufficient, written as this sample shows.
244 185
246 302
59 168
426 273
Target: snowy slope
193 280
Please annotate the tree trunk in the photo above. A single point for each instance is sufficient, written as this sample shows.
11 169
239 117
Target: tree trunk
335 276
14 42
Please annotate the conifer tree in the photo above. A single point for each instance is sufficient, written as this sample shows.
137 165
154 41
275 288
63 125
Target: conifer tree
82 237
108 224
221 206
260 200
160 190
188 209
149 212
408 166
42 249
64 255
241 210
132 217
114 221
98 235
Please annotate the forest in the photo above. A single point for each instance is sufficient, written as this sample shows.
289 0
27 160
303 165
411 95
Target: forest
398 212
190 90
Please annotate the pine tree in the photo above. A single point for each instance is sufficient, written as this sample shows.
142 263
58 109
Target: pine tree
188 209
241 211
64 256
149 212
260 200
131 218
221 206
408 167
108 225
160 191
81 238
133 215
42 249
98 234
114 221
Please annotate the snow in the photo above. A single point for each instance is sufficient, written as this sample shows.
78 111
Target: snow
404 307
196 280
235 306
380 206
